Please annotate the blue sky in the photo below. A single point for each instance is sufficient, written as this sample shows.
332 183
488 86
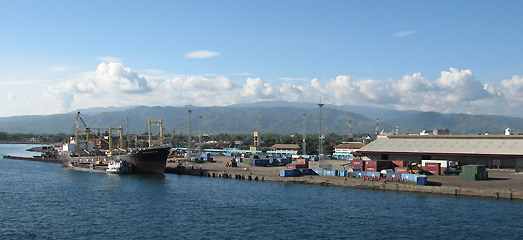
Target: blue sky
448 56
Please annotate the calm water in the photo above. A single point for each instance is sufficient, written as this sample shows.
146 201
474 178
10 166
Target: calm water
48 201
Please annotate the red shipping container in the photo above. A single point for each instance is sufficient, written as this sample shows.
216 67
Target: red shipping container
442 170
302 161
401 170
378 165
290 166
433 165
433 170
302 165
371 164
357 163
399 163
370 169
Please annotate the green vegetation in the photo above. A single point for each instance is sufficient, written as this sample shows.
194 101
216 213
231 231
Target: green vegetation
32 138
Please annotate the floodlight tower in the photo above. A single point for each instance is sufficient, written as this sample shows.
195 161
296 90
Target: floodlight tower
350 128
320 139
189 140
200 135
304 134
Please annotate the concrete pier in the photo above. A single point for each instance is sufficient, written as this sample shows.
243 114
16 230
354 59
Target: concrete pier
503 184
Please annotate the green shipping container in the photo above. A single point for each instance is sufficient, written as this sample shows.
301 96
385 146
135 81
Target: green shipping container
473 169
473 176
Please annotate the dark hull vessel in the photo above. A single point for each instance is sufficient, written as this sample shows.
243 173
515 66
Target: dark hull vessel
147 160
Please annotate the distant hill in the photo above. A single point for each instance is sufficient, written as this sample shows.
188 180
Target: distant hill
231 119
264 117
416 121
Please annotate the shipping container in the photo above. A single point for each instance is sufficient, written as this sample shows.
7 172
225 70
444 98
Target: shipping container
318 171
370 169
401 170
373 174
399 163
473 169
359 174
290 173
378 165
260 162
302 161
421 180
307 171
357 169
395 175
290 166
473 176
444 163
328 172
342 173
357 164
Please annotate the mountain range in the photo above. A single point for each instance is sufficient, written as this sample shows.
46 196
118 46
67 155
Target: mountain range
264 117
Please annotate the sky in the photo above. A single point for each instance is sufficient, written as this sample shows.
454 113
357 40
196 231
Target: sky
444 56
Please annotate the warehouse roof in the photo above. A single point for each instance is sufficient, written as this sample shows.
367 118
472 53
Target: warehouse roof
285 146
476 145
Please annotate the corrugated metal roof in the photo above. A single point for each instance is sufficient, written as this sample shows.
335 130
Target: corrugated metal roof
453 145
285 146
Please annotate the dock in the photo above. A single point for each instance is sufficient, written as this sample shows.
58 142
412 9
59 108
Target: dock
502 184
34 159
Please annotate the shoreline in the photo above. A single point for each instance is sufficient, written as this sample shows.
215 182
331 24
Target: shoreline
448 185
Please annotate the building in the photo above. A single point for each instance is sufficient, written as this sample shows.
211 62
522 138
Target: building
489 150
347 148
284 148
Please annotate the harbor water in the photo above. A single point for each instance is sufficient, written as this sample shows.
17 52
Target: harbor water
48 201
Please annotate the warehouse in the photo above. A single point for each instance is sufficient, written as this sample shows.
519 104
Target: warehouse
504 151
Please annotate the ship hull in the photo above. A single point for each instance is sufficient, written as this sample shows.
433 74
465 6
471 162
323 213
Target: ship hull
149 160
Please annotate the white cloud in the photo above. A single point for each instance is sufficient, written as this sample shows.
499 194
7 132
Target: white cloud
290 79
59 69
454 91
513 88
109 59
201 54
10 96
404 33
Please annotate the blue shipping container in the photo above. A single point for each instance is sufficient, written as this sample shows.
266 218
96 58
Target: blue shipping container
289 173
395 175
327 172
307 171
373 174
421 180
342 173
359 174
260 162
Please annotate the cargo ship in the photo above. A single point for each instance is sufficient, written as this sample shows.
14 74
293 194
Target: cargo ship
80 153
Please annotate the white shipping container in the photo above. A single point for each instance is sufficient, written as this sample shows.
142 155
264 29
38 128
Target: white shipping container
443 163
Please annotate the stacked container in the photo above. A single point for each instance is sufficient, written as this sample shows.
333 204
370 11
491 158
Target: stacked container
473 172
434 168
358 164
376 166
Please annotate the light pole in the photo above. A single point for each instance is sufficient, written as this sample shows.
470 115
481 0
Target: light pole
320 139
304 134
189 140
200 136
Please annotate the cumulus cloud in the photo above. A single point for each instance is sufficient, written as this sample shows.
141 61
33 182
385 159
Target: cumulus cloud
109 59
201 54
454 91
513 88
404 33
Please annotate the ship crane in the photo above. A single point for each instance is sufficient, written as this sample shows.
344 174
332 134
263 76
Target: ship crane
77 130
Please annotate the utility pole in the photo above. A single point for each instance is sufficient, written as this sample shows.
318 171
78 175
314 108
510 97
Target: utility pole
304 148
200 136
189 140
320 138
